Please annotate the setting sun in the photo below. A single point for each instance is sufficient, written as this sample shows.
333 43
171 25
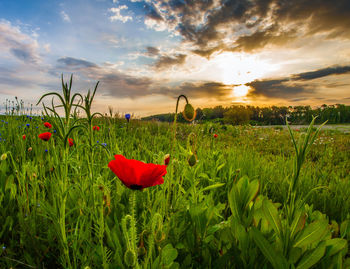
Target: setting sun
240 91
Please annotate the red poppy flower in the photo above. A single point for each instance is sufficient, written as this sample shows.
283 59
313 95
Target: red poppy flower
24 137
48 125
45 136
135 174
70 142
95 128
215 135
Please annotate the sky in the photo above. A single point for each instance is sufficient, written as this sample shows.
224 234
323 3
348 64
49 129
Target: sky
146 53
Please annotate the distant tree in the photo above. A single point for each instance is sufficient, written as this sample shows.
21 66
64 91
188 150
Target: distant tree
237 115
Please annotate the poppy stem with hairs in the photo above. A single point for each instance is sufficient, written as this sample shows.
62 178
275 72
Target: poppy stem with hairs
175 119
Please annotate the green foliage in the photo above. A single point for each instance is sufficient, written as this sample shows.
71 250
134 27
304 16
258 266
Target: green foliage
232 209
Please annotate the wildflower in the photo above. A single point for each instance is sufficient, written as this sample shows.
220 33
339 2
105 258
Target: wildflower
45 136
47 125
30 149
95 128
70 142
3 157
127 117
3 247
46 150
27 124
215 135
166 159
24 137
104 144
135 174
54 131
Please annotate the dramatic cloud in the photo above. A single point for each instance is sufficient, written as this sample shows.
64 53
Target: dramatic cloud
21 46
248 25
294 84
335 70
115 83
117 16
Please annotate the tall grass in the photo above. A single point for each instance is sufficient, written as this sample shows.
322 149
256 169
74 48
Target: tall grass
249 200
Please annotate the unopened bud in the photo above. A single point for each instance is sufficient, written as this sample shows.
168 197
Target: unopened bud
130 258
3 157
189 113
30 149
192 160
166 159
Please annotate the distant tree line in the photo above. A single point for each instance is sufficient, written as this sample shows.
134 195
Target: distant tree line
274 115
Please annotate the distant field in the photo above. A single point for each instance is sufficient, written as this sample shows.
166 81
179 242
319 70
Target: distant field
337 127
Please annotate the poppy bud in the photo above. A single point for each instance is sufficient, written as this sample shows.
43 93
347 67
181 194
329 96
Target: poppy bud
30 149
215 135
24 137
95 128
130 258
192 160
166 159
47 125
189 113
142 251
3 157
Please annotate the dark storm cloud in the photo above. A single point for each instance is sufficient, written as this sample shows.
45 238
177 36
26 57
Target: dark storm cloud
295 84
75 63
252 24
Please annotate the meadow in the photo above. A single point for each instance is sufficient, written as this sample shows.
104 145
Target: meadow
232 197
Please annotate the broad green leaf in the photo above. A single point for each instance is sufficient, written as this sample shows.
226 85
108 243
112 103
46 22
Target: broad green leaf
312 233
272 216
312 257
298 223
169 254
336 245
250 192
233 199
276 260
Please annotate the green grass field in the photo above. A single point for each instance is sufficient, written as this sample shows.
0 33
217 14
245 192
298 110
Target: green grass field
244 199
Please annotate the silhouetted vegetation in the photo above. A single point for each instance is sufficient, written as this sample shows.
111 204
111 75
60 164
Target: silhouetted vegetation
274 115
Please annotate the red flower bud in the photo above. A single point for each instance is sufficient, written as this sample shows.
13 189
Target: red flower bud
215 135
95 128
166 159
47 125
24 137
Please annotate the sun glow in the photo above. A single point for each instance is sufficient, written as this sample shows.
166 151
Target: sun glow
240 91
240 68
